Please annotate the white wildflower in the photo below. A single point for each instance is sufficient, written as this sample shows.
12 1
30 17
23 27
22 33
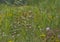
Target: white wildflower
13 36
48 28
30 11
18 34
14 32
30 27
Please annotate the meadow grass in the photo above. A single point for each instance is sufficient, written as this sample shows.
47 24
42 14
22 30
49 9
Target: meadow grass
27 23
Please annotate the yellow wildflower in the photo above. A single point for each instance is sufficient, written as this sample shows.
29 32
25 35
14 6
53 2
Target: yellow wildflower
42 35
10 41
9 14
57 40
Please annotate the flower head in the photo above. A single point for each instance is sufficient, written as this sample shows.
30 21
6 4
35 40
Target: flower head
48 28
42 35
10 41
